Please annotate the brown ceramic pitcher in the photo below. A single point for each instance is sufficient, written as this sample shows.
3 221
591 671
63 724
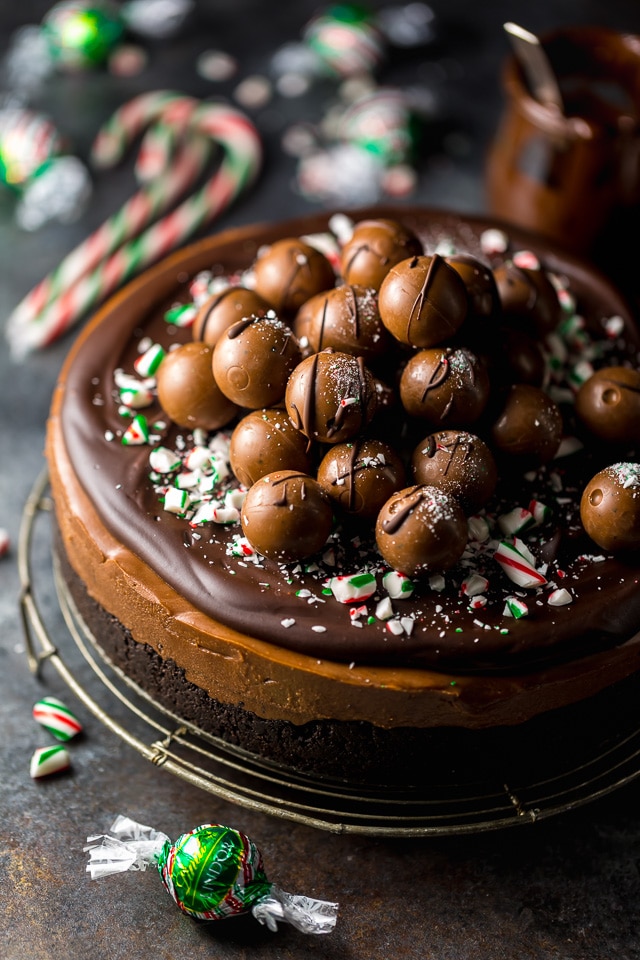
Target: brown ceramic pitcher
564 172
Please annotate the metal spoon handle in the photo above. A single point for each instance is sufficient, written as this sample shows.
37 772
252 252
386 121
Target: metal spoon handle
535 63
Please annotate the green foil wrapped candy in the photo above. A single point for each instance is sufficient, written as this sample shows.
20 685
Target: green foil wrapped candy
212 872
80 35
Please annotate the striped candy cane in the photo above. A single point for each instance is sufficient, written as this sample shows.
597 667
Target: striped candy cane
109 148
240 163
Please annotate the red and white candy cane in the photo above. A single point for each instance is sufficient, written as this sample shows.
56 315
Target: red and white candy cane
216 124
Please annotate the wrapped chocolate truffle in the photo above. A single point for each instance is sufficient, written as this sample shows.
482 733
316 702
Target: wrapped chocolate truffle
212 872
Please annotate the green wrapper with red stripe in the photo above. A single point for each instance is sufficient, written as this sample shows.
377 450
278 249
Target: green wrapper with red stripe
212 872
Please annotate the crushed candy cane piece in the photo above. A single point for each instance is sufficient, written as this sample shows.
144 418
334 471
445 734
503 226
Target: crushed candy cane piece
518 563
348 589
514 607
473 585
148 362
477 602
437 582
526 259
516 521
394 627
182 315
163 460
57 718
5 542
493 241
539 511
478 528
397 585
225 514
176 501
49 760
384 609
559 598
137 432
137 398
614 326
287 622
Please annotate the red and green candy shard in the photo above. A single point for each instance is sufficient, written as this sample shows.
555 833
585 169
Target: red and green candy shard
49 760
212 872
57 718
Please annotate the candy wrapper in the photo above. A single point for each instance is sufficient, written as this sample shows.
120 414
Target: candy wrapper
48 182
212 872
80 35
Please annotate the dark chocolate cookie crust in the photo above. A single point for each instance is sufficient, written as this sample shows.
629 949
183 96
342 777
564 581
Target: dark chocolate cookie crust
360 754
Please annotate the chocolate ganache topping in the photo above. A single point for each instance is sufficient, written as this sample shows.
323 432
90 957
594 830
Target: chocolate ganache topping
132 460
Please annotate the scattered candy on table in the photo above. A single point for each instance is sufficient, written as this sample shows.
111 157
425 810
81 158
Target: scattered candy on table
81 35
49 183
122 247
5 542
212 872
57 718
49 760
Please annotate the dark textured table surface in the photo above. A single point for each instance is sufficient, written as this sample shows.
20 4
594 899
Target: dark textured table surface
566 888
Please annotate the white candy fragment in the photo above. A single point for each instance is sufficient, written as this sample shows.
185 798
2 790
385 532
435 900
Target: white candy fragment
397 585
559 598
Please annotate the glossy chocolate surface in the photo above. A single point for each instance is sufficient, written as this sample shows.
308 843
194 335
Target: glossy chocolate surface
289 271
204 572
252 361
376 246
423 301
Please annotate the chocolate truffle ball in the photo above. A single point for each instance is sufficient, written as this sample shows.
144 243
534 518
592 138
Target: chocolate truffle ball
608 404
421 529
459 463
188 392
345 318
252 361
374 247
265 441
514 356
330 396
286 516
529 425
482 291
610 507
528 298
361 476
223 309
423 301
449 388
290 271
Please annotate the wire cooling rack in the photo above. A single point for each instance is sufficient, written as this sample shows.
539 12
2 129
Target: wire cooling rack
168 742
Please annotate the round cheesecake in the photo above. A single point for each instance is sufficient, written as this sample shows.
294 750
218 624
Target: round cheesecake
336 663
